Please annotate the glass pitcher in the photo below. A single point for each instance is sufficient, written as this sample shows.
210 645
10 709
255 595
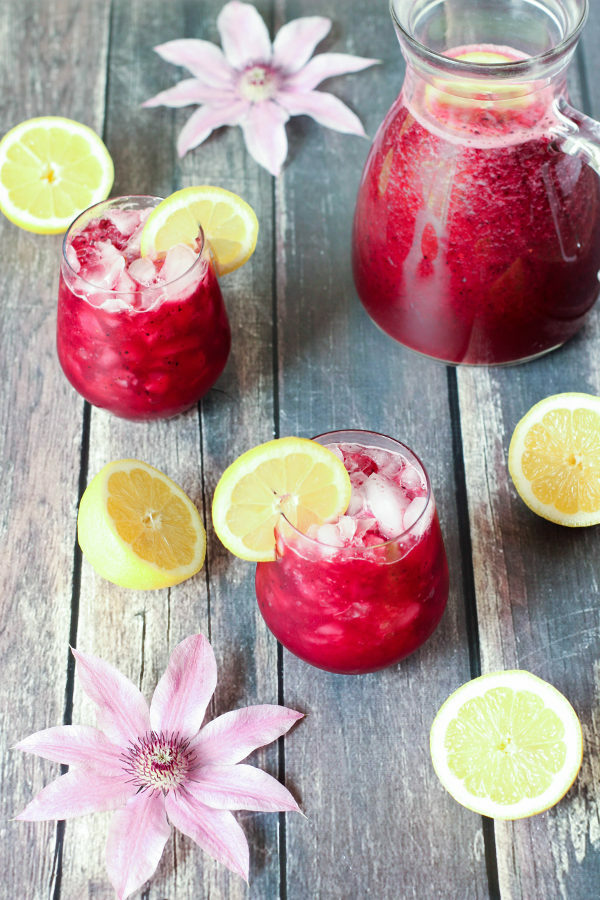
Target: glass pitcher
477 227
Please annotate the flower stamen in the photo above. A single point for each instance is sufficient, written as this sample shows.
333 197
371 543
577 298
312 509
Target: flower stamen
158 761
258 82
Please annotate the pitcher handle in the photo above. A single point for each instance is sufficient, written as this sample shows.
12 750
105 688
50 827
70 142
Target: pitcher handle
577 134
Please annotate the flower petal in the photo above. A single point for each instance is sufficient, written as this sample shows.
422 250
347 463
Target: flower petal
240 787
244 35
76 793
295 41
215 830
326 65
231 737
324 108
75 744
203 122
136 839
184 691
122 709
204 60
264 133
189 91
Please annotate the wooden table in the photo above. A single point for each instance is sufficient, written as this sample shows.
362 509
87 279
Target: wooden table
305 359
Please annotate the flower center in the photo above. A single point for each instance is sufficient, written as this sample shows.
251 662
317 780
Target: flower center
258 82
159 762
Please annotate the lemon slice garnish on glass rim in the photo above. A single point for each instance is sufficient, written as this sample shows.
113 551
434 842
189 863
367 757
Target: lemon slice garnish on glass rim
290 476
554 459
228 222
506 745
138 528
51 169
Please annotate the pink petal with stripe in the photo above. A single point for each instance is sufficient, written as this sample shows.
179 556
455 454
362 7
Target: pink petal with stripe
215 830
136 839
184 691
326 65
78 792
295 41
75 745
244 35
324 108
204 121
189 91
231 737
204 60
264 133
122 709
240 787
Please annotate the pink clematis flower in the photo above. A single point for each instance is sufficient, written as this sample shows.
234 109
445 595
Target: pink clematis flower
155 765
256 84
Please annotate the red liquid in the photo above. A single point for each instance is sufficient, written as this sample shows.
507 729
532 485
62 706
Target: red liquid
474 240
141 363
355 609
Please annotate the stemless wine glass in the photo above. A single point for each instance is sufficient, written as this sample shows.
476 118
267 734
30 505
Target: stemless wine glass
142 338
357 605
477 225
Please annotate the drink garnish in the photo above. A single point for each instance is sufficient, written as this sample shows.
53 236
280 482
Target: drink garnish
229 224
290 476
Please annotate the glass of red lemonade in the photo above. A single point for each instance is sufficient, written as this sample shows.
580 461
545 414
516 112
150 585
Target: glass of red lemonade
363 592
143 338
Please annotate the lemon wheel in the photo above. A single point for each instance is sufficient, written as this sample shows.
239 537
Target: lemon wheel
506 745
228 222
291 476
51 169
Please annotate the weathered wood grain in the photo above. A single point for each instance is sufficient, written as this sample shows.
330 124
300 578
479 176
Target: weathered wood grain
41 46
136 631
378 822
537 585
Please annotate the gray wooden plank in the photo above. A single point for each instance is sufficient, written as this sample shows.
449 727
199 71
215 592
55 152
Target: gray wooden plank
537 584
378 822
136 630
41 45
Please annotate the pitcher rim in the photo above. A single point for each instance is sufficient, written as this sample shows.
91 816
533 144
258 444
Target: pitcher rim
509 67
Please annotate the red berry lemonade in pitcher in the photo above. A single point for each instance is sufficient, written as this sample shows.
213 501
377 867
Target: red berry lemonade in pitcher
363 592
144 338
476 239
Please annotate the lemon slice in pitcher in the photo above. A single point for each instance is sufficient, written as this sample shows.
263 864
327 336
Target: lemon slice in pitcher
228 222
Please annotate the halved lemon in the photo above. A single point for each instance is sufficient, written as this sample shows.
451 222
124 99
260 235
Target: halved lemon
506 745
138 528
229 224
296 477
554 459
471 92
51 169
